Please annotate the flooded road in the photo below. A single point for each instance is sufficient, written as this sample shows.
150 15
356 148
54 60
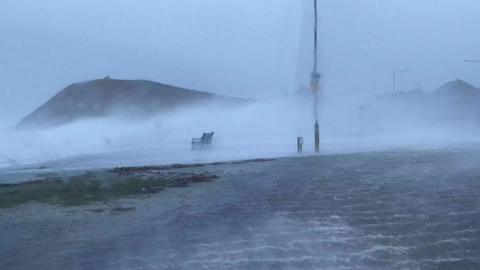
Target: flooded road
382 210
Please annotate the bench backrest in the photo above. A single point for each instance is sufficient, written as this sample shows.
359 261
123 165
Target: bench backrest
207 137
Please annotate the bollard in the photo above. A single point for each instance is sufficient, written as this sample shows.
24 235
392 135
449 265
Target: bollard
317 137
300 145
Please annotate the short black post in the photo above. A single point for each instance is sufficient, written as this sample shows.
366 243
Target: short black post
300 145
317 137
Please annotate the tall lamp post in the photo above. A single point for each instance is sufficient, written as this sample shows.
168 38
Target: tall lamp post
315 79
395 78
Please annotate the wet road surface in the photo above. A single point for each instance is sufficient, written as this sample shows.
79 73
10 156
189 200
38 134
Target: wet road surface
383 210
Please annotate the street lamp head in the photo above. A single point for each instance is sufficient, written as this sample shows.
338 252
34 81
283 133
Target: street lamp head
403 70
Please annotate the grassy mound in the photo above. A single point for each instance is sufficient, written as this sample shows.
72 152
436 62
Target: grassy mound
80 190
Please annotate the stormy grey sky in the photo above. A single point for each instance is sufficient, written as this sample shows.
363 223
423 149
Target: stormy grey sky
254 49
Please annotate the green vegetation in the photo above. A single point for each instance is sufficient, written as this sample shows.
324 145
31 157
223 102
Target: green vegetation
85 189
104 186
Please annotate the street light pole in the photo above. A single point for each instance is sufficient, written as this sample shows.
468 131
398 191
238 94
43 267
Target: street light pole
395 78
315 78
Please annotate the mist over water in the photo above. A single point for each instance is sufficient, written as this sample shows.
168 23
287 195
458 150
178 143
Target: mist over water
265 128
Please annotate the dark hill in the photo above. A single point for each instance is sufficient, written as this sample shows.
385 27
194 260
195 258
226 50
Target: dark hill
100 98
458 102
457 89
455 104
